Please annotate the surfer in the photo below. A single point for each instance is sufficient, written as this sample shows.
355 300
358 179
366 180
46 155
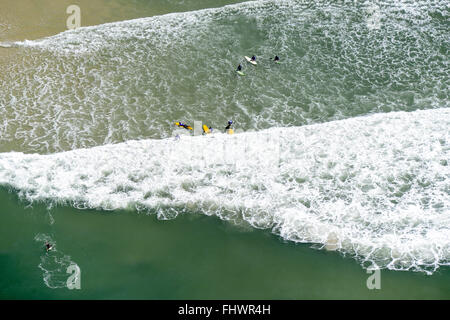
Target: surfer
181 124
207 130
239 68
253 58
230 122
276 58
48 246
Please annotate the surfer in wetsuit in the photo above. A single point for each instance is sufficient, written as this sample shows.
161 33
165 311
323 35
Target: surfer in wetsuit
276 58
239 68
181 124
48 246
206 131
253 58
230 122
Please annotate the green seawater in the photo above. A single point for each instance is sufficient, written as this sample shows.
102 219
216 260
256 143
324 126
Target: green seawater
125 255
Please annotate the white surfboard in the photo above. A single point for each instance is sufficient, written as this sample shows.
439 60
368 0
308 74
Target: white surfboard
250 60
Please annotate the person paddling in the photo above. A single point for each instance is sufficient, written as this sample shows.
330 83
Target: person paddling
230 122
206 129
183 125
48 246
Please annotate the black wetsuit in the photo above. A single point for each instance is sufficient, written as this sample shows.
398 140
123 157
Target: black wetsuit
239 68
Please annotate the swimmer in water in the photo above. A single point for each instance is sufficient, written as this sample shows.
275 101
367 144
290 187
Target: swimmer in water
48 246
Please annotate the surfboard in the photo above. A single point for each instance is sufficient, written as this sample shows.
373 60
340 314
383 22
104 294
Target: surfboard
250 60
240 73
230 131
206 129
178 124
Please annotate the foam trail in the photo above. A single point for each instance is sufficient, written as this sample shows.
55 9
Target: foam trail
54 263
375 187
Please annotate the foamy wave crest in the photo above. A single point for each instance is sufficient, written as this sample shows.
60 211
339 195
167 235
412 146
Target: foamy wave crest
375 187
6 44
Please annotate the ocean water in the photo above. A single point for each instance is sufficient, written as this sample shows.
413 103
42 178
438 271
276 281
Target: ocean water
340 157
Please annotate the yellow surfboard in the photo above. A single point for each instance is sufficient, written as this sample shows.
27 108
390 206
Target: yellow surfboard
206 129
230 131
188 127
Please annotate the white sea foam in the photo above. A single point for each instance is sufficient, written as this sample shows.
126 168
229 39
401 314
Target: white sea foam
376 187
